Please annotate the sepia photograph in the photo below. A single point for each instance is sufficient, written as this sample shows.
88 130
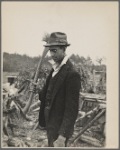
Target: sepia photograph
59 74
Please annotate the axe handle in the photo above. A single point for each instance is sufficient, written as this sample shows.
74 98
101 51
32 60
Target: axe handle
26 108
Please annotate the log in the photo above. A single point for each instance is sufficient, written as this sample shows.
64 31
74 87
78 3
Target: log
95 100
37 109
90 140
93 96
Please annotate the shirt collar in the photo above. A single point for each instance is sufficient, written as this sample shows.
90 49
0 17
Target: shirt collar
55 66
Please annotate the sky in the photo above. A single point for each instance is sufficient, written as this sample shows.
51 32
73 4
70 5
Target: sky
91 27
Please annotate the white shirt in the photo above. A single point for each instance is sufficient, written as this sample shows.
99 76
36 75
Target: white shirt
57 67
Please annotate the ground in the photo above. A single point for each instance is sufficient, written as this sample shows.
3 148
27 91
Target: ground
24 136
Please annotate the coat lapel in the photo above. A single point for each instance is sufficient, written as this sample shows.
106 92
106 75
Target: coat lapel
62 74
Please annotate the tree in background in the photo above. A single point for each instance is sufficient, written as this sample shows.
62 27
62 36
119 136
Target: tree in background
26 67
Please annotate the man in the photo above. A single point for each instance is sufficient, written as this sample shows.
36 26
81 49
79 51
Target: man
60 95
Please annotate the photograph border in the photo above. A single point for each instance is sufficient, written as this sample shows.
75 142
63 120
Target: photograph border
75 148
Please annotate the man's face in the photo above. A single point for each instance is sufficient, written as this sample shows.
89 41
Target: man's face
57 53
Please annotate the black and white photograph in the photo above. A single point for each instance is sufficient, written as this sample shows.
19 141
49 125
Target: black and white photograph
59 74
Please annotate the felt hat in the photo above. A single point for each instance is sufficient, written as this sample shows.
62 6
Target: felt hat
57 39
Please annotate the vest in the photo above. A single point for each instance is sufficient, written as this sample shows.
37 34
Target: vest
50 90
49 93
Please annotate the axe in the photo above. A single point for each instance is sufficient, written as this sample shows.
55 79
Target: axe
26 108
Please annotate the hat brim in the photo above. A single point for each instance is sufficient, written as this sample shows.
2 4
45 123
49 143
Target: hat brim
56 44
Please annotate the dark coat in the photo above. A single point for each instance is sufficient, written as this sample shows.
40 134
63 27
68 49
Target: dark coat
64 104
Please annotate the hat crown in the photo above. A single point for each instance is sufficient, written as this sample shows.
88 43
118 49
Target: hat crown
57 38
58 35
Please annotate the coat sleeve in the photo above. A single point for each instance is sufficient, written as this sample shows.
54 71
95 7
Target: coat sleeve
73 85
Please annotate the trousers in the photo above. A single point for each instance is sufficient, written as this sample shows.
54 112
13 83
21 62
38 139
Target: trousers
50 137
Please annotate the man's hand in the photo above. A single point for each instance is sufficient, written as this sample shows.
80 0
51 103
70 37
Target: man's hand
33 87
60 142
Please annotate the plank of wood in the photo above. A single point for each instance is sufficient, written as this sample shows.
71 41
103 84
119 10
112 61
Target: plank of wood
93 96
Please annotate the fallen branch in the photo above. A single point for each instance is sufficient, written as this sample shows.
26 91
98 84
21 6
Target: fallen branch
90 140
35 105
87 114
22 113
87 126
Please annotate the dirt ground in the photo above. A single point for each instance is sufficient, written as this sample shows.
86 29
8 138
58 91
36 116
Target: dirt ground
23 135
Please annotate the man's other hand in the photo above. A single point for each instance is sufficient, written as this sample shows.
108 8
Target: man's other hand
60 142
